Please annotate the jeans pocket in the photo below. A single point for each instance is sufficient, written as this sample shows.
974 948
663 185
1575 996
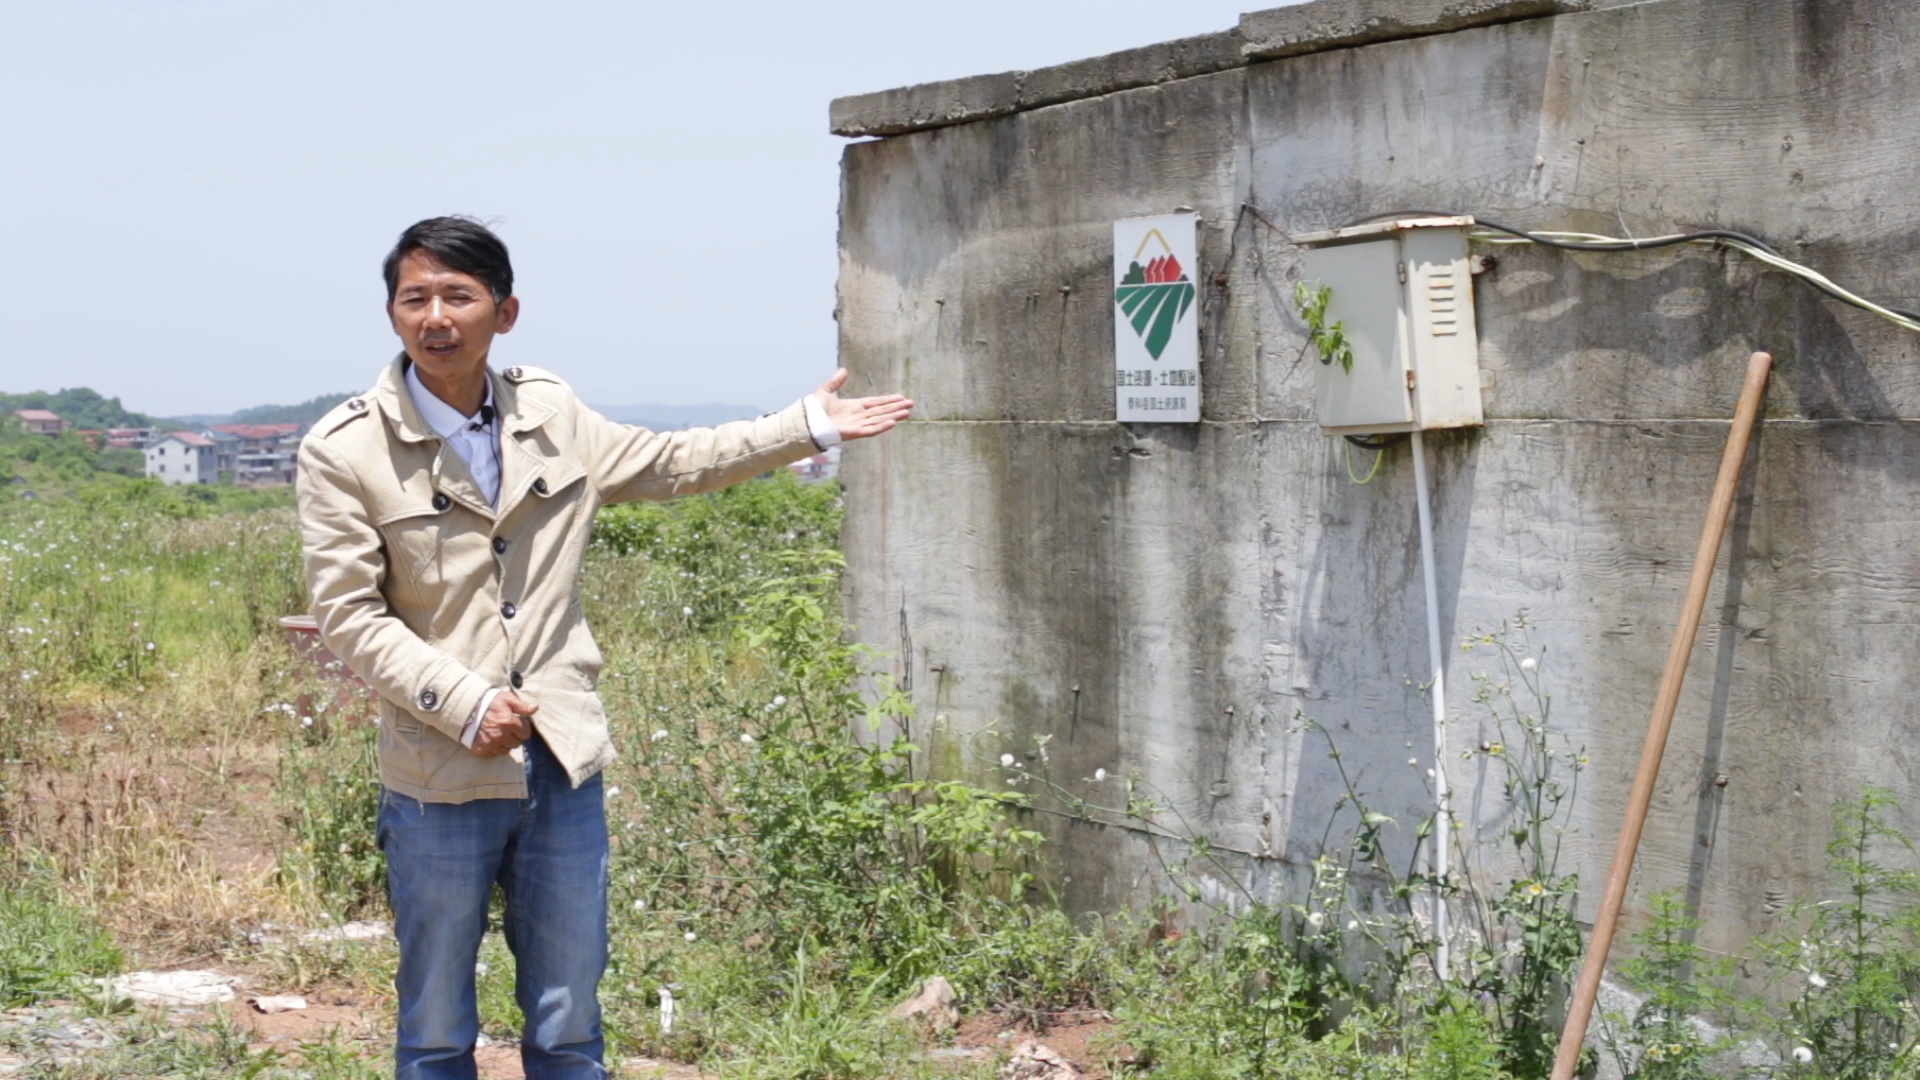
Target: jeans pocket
392 805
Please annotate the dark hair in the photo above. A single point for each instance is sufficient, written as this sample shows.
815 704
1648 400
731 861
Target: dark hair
460 244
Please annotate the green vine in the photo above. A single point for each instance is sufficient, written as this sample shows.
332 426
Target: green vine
1329 341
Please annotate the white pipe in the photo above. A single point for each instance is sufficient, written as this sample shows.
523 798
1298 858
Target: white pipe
1442 818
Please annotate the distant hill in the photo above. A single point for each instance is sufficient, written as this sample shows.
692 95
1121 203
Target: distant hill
304 413
674 417
88 409
656 417
83 407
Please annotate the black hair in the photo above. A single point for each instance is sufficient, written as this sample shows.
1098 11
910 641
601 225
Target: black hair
460 244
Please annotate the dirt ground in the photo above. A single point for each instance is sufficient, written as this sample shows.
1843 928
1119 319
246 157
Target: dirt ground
1084 1038
207 814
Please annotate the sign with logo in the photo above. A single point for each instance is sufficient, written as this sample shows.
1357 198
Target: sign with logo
1156 322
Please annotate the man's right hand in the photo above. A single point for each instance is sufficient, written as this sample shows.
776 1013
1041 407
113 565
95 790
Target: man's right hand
506 724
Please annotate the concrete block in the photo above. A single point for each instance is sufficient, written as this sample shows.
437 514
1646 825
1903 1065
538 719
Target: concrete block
983 97
927 105
1344 24
1040 570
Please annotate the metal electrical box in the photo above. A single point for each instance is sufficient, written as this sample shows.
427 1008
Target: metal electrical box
1403 289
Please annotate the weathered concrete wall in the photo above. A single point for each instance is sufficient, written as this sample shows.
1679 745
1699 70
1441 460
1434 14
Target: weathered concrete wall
1165 599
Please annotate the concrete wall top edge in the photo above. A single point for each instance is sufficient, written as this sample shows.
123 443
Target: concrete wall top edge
1319 26
983 97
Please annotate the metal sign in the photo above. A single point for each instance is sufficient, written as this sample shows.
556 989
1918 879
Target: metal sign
1156 319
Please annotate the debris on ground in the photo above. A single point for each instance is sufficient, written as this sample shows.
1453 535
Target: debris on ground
932 1005
278 1003
358 930
1034 1061
49 1034
171 987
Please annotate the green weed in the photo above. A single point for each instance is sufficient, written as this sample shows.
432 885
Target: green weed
1852 965
48 948
1661 1040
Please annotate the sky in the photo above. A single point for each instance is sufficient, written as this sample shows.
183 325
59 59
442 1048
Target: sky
198 195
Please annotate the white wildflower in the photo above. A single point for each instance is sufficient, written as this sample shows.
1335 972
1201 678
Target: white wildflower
1099 774
1353 924
1803 1054
746 738
1415 762
686 611
613 792
1529 664
1816 980
639 905
1316 919
661 734
149 646
691 936
1006 761
779 700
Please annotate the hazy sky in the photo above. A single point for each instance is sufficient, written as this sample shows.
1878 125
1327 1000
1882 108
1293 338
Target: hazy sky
197 195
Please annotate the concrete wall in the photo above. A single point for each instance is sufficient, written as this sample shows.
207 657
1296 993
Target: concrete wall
1165 599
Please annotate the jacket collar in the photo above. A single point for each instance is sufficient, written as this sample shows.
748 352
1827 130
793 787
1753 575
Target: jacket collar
445 420
516 415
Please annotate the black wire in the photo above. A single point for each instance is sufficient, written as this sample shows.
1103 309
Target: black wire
1637 245
1378 440
1634 245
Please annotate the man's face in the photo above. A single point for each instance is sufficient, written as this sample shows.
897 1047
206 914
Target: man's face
446 319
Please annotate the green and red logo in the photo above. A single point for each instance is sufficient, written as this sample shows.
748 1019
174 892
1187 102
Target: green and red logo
1155 297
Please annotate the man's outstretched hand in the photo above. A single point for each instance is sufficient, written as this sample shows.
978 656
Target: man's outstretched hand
505 726
861 418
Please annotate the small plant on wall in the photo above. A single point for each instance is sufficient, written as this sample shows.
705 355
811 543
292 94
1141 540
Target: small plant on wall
1329 341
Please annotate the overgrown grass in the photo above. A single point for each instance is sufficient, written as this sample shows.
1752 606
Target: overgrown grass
784 866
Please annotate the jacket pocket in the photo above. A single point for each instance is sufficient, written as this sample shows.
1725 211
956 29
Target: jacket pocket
435 556
400 736
413 540
397 720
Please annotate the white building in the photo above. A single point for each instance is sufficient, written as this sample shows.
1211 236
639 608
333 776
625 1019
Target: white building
181 457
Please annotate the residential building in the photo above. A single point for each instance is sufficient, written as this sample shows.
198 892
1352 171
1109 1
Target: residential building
182 457
821 466
129 438
40 421
258 455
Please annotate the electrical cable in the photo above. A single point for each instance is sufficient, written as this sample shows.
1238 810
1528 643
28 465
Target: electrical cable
1378 454
1492 232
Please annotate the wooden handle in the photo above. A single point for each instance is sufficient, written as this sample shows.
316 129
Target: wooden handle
1752 396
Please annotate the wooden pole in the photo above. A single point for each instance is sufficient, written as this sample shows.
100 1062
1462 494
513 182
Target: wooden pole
1752 395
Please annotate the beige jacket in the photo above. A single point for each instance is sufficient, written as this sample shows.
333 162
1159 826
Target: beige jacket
433 597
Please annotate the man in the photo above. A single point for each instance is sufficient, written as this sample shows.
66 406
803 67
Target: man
444 516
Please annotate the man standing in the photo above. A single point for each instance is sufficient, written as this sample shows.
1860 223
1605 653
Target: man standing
444 516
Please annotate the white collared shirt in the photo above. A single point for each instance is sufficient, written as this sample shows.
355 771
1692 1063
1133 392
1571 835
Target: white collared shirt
478 445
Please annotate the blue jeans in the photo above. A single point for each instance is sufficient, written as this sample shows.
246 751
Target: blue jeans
548 853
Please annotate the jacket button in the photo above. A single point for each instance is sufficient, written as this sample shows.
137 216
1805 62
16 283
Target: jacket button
513 374
516 680
540 485
356 405
429 699
507 609
440 500
499 545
